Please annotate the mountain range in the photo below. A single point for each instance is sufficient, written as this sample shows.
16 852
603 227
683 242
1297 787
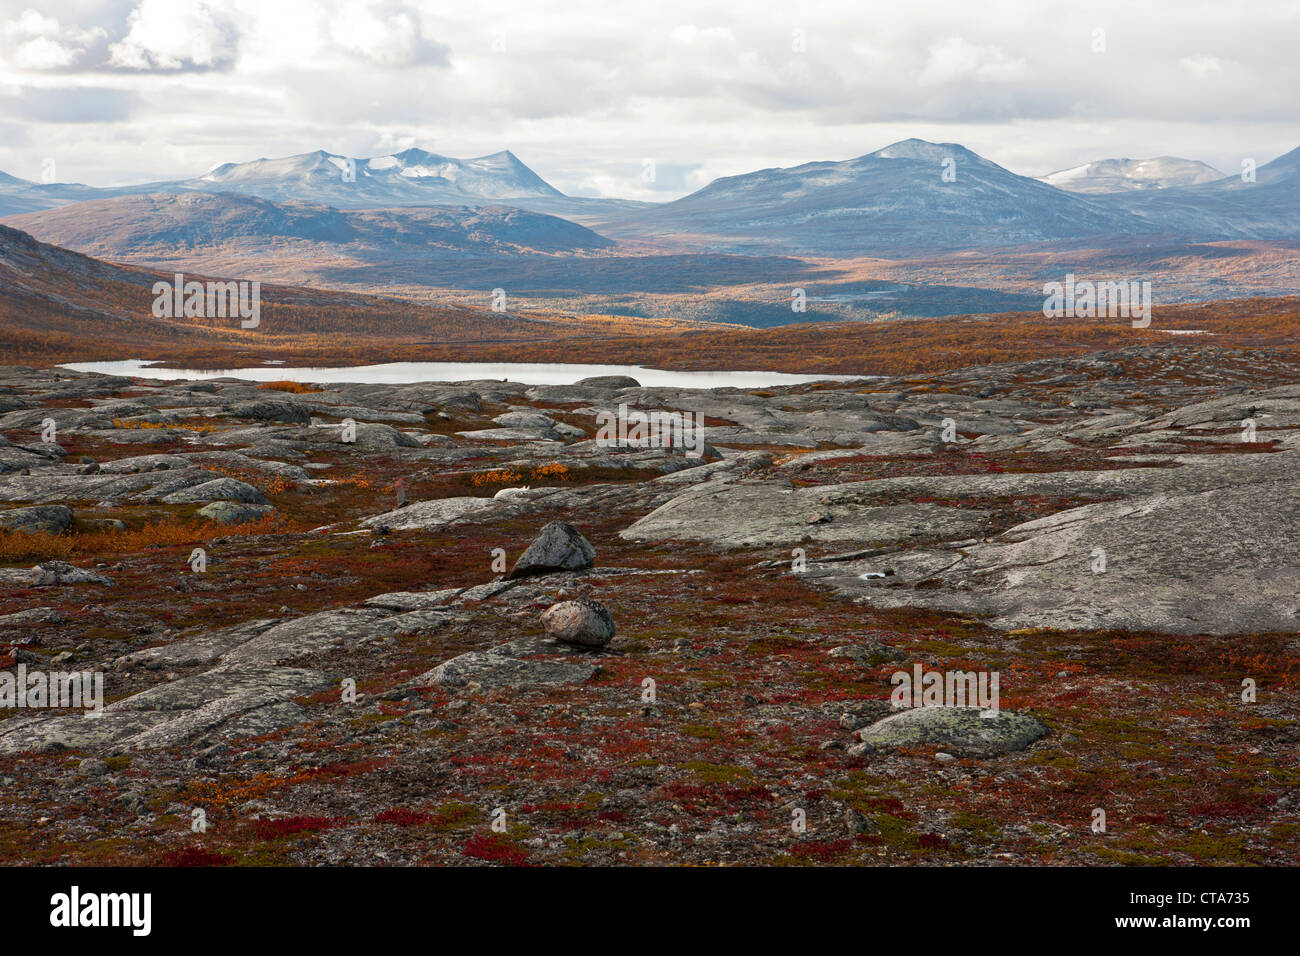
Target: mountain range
161 225
412 177
394 212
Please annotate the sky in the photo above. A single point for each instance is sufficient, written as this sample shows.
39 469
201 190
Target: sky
125 91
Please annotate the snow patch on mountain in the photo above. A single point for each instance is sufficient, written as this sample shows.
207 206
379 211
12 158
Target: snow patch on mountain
1122 175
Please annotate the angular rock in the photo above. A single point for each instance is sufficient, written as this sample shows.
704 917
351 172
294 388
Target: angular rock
559 547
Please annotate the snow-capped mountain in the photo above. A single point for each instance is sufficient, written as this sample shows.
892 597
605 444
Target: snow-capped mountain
1121 175
1263 206
411 177
910 195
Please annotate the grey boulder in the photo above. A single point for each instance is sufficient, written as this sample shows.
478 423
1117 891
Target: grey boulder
965 730
582 622
234 512
51 519
560 547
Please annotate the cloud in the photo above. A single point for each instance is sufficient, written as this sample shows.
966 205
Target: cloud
956 59
35 42
385 34
177 35
584 89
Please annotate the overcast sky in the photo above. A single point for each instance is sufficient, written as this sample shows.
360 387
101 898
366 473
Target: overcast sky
124 91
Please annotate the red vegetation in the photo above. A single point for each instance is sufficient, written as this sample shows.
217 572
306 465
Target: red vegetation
495 849
195 856
287 826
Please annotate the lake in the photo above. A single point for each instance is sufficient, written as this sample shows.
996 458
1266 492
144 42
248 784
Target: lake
403 373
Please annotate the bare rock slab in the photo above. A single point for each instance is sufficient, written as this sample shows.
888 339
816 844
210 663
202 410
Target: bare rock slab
527 662
1221 561
750 513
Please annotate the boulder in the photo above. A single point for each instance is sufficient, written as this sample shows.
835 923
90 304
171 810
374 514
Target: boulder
234 512
560 547
609 381
524 419
582 622
50 519
965 730
220 489
50 573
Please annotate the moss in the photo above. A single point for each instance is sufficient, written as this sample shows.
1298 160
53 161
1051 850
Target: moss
1217 848
1126 858
701 731
775 644
895 832
455 816
373 718
975 824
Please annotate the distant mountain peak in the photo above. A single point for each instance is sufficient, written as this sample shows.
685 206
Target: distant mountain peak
411 176
923 149
1125 175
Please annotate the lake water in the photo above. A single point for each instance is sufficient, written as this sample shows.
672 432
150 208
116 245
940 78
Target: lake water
402 373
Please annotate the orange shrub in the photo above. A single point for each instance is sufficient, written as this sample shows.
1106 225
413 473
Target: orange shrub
297 388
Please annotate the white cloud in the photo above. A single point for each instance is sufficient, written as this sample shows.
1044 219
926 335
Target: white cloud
956 59
39 43
583 89
176 34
